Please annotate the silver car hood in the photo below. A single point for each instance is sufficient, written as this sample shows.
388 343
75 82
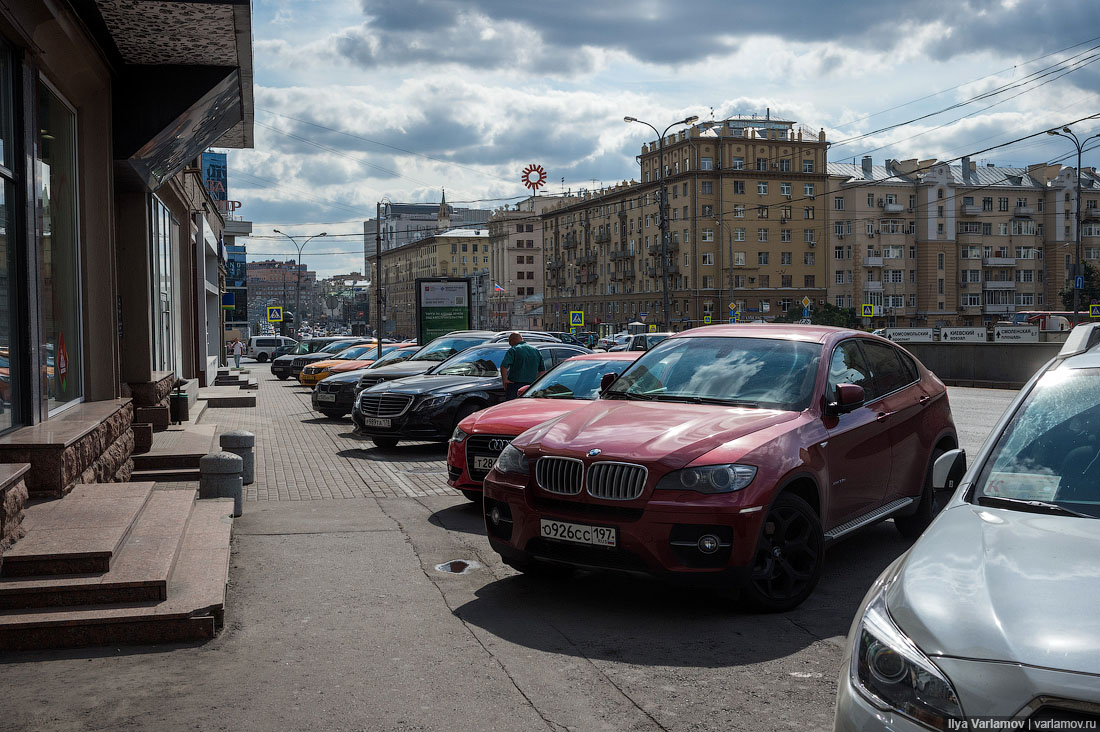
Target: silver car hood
1001 585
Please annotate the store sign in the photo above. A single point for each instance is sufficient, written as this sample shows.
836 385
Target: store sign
963 335
442 305
1016 333
909 335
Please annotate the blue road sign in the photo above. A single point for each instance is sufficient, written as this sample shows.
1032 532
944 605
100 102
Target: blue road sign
868 311
1078 282
1094 311
576 317
643 315
706 320
274 314
805 312
733 319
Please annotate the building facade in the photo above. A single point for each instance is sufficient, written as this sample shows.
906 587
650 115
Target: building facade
273 282
745 214
928 243
516 277
403 223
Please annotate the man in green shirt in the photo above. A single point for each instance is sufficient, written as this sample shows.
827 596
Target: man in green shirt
521 366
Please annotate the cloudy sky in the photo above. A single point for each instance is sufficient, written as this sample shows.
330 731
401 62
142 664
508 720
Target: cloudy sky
360 99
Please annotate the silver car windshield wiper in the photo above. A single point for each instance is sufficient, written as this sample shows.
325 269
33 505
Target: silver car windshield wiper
1032 506
707 400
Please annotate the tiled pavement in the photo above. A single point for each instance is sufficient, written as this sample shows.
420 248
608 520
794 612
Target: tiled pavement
301 455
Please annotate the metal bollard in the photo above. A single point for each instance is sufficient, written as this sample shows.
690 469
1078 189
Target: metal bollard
240 442
221 478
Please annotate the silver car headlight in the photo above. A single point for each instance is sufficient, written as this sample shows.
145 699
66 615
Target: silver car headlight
512 460
458 435
709 478
889 669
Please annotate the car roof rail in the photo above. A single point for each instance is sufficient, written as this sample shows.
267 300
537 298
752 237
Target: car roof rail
1081 339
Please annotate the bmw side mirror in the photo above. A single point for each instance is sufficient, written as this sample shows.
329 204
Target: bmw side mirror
849 397
948 470
607 380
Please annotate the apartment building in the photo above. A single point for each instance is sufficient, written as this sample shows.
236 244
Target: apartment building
516 281
745 214
403 223
928 243
451 253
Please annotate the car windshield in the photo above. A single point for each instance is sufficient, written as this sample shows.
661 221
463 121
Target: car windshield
334 347
395 356
302 348
769 373
473 362
443 348
1050 451
355 352
575 379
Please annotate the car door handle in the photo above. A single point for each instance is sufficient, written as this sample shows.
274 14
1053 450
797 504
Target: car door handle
883 416
924 399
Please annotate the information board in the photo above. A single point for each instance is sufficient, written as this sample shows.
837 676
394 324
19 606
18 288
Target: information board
442 305
1016 333
963 335
909 335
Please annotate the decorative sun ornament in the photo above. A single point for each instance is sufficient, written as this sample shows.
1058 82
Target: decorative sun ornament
534 176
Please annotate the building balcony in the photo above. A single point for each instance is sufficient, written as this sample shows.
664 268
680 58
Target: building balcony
569 244
872 261
674 246
875 286
1005 308
618 254
893 208
601 238
970 209
1025 211
628 274
999 285
586 259
651 271
999 261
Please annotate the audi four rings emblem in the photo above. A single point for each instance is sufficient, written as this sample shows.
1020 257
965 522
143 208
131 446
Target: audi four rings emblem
594 452
498 445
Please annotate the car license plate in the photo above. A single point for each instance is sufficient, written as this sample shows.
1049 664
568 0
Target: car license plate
376 422
484 463
326 397
577 533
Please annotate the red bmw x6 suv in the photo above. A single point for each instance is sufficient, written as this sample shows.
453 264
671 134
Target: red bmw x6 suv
728 455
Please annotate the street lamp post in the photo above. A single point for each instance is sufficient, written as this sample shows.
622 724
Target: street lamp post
1078 143
663 215
298 286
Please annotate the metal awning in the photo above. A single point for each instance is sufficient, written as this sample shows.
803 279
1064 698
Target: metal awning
183 78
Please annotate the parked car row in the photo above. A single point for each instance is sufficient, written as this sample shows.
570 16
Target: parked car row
733 457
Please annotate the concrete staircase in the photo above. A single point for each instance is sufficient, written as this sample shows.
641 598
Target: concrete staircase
174 454
241 378
117 563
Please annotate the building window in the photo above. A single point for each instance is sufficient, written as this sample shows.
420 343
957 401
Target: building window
808 280
706 163
761 163
708 234
784 165
808 258
762 212
838 203
708 258
761 234
807 213
738 163
765 281
808 189
807 167
739 187
784 257
761 258
786 280
784 235
59 247
762 187
739 258
785 189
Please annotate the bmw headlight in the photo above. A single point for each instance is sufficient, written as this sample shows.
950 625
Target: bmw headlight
889 669
436 400
709 478
458 435
512 460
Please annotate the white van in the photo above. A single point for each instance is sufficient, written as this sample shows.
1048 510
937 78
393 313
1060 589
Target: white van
262 348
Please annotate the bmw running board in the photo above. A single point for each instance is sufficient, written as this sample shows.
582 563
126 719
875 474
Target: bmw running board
880 513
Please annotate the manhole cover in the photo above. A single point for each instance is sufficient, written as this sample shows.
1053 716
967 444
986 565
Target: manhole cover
457 566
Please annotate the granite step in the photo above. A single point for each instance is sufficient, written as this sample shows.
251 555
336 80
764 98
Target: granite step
139 573
192 610
177 448
78 534
166 475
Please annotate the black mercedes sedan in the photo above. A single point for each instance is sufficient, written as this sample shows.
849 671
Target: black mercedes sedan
428 407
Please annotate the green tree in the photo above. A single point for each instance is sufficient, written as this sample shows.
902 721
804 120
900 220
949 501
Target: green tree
825 315
1089 294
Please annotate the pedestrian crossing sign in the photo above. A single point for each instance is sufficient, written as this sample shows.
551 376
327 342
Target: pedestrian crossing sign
706 320
274 314
576 317
868 311
1094 311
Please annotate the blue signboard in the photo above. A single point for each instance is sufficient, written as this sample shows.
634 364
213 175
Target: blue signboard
1078 282
215 174
228 300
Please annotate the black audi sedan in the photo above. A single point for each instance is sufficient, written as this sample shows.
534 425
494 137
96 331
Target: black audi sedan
335 395
428 407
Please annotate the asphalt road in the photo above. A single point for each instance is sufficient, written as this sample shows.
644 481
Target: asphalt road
338 619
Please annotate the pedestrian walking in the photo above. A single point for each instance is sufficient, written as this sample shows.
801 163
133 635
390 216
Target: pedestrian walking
521 366
238 351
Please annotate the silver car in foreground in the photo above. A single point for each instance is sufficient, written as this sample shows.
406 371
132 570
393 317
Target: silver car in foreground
993 616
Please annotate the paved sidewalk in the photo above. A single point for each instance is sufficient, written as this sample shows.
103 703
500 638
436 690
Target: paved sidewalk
301 455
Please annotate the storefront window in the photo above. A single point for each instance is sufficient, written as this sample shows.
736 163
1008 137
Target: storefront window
7 206
61 362
164 237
